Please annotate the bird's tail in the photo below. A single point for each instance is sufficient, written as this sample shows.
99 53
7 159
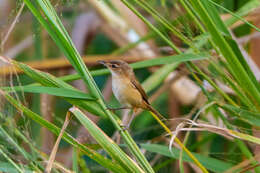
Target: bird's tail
150 108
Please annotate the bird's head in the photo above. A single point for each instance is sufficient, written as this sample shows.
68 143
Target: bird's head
118 67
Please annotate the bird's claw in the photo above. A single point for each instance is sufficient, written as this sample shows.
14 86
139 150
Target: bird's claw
124 127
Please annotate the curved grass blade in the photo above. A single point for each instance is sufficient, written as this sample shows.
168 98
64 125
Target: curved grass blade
151 26
219 34
11 161
163 21
115 167
53 25
32 162
48 80
238 16
250 117
61 92
210 163
146 63
8 167
158 77
245 137
62 39
170 59
107 143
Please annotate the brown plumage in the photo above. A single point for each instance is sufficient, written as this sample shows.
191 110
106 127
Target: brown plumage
126 87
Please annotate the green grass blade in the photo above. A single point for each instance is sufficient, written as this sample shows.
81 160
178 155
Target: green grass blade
250 117
214 27
11 161
245 137
158 77
38 119
170 59
243 11
75 161
60 36
240 12
12 142
152 27
62 39
61 92
91 106
163 21
9 168
147 63
109 146
210 163
138 65
48 80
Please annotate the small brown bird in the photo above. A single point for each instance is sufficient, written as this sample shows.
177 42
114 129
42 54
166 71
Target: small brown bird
126 88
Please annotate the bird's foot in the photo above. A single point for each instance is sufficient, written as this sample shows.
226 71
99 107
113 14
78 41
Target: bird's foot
124 127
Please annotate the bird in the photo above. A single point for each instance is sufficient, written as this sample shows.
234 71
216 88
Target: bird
126 88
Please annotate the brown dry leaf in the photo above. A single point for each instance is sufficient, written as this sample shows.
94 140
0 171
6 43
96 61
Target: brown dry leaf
55 148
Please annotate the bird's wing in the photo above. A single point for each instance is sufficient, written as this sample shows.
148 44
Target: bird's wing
139 87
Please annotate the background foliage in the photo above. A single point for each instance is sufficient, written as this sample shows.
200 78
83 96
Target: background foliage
196 59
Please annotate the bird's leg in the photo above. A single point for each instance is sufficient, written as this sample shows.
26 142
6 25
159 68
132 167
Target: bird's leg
133 115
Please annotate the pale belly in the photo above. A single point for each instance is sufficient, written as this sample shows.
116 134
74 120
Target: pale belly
125 93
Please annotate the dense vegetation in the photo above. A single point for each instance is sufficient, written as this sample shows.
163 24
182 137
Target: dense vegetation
193 58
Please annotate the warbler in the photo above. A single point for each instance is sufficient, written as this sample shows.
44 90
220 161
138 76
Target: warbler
126 88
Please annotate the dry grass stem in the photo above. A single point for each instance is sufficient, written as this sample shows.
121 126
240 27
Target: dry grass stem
55 148
11 27
58 63
18 48
243 164
201 127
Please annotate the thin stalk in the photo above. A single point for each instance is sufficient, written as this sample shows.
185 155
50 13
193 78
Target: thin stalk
35 152
193 17
235 15
163 21
187 6
109 164
151 26
61 37
75 160
244 99
133 45
191 12
10 139
180 143
21 150
56 145
218 113
243 77
128 139
11 161
214 85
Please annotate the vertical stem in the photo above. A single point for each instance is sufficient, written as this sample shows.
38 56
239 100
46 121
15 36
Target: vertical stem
129 140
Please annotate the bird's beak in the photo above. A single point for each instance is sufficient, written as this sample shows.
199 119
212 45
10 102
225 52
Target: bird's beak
102 62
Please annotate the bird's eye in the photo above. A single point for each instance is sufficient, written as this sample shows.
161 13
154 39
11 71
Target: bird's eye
114 66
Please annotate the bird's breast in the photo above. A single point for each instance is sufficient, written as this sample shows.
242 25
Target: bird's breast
125 93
